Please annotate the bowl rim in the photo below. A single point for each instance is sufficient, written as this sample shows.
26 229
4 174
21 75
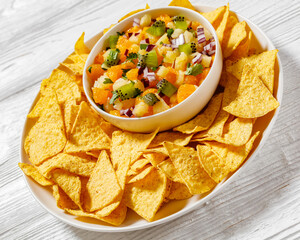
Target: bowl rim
161 114
183 211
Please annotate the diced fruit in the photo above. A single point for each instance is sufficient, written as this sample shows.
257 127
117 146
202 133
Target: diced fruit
134 38
99 59
132 74
114 73
160 106
165 18
162 50
163 39
189 79
157 29
206 60
184 91
113 57
194 70
134 48
152 39
115 112
151 59
138 84
119 83
149 90
166 87
140 109
113 39
194 25
171 56
150 99
203 75
180 78
171 25
188 36
171 76
128 91
94 71
118 104
187 48
128 103
145 20
177 32
101 95
180 22
162 72
181 61
173 99
100 83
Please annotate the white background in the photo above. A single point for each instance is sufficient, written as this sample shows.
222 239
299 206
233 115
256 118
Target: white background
263 202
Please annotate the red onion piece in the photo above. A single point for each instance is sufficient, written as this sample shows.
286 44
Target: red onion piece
126 52
145 72
173 46
167 45
197 58
127 112
151 76
173 41
147 40
200 35
210 48
145 82
150 47
140 70
136 22
136 34
130 34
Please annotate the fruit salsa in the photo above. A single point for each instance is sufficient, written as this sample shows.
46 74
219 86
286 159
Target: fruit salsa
152 66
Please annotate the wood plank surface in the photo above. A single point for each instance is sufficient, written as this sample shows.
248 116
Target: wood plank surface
263 202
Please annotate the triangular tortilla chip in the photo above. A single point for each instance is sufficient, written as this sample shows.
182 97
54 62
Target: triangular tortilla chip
179 191
62 199
32 172
215 17
222 27
182 3
253 99
170 136
80 47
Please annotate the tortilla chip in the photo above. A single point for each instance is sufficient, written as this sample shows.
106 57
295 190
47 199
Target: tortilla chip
215 17
87 133
262 64
182 3
237 35
203 120
147 195
63 84
155 158
109 209
219 166
168 168
232 20
179 191
243 49
108 128
116 217
80 47
69 183
39 107
174 137
139 164
70 113
94 153
103 187
186 162
230 91
133 12
76 64
73 164
141 175
32 172
222 27
253 99
159 150
126 149
62 199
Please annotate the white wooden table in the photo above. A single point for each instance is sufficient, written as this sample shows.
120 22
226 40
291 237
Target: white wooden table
261 203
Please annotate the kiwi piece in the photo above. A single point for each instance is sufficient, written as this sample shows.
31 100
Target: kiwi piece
150 99
187 48
128 91
180 22
113 57
113 39
157 29
166 87
151 59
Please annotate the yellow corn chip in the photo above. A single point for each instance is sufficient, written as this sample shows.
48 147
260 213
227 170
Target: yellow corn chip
77 62
230 91
147 195
63 84
139 164
116 217
39 107
140 175
174 137
253 99
32 172
133 12
103 187
109 209
80 47
237 35
159 150
215 17
179 191
262 64
222 27
62 199
156 157
232 20
94 153
203 120
106 29
187 163
70 113
69 183
182 3
168 168
87 133
73 164
126 149
243 49
108 128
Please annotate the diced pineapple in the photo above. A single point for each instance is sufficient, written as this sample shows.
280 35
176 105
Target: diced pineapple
145 20
99 83
173 98
140 109
108 107
188 22
152 39
171 56
177 32
180 78
162 50
206 60
171 25
128 103
164 39
188 37
135 39
134 48
118 104
162 71
105 55
160 106
142 52
138 84
181 61
119 83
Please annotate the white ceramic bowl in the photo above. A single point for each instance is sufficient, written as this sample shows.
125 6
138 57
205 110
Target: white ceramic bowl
175 115
173 209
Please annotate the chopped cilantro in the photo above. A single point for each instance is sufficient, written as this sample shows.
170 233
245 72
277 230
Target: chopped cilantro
143 46
114 97
107 80
90 69
120 33
170 32
131 56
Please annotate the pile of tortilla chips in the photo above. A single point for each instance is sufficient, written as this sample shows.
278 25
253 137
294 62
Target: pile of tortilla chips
97 170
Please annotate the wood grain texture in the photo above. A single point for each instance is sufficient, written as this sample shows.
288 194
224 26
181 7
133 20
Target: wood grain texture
263 202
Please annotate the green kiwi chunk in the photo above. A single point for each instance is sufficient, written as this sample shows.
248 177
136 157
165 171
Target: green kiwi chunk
150 99
180 22
187 48
113 39
166 87
151 59
157 29
113 57
128 91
